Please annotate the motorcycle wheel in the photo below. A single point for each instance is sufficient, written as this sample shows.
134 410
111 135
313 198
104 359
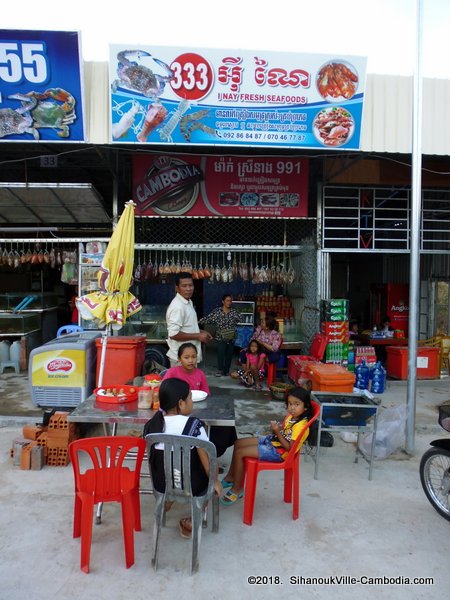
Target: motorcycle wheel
435 479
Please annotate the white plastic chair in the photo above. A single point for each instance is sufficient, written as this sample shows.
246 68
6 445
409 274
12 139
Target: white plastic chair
177 471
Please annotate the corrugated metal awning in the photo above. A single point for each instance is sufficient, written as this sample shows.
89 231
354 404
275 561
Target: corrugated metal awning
51 204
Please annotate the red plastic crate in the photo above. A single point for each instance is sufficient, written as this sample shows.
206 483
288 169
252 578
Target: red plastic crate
427 365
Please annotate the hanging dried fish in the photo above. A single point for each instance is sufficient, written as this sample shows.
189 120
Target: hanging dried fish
189 265
4 257
40 256
217 270
59 259
207 269
10 258
155 267
200 272
234 269
52 256
178 265
173 265
291 272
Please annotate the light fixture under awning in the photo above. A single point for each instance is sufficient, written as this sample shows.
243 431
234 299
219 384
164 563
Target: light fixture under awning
51 203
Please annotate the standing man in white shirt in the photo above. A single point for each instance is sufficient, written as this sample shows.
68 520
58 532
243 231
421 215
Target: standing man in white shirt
181 319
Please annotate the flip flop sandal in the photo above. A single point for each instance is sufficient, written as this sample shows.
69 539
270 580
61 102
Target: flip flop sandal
230 497
226 484
185 532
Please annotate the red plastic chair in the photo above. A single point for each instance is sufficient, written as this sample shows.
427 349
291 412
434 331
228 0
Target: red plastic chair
272 369
291 467
106 479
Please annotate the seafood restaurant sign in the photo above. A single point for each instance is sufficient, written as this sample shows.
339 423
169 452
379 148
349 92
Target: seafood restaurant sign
41 95
235 98
220 186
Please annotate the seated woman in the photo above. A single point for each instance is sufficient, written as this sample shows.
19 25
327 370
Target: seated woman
267 336
221 437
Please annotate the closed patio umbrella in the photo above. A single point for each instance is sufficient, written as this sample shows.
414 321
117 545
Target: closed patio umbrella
113 303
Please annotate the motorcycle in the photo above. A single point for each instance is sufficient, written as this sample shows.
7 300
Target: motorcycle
435 468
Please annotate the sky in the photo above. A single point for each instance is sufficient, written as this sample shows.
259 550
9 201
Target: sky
385 31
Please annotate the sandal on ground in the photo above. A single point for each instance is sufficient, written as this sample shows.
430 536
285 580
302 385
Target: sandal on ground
226 484
185 527
230 497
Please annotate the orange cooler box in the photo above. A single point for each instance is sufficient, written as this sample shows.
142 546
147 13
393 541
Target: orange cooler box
427 366
124 358
331 378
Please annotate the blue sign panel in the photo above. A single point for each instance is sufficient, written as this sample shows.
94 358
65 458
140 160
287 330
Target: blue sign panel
41 96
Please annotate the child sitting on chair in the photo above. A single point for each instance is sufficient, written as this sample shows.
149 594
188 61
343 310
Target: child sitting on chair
252 371
188 370
273 447
174 418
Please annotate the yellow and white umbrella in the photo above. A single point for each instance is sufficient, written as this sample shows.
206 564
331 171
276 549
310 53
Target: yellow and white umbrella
113 304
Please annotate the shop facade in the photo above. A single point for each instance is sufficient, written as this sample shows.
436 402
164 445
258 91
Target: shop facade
350 236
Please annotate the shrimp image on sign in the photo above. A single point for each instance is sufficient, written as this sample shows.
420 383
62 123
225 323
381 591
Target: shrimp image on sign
136 77
190 123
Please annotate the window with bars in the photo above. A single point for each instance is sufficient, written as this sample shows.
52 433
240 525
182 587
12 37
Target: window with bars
380 219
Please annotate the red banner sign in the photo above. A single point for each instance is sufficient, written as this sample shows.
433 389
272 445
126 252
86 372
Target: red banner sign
222 186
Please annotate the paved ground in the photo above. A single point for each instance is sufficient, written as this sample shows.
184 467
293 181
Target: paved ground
348 526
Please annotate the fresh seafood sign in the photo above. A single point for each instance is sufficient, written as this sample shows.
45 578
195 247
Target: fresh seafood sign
236 98
40 86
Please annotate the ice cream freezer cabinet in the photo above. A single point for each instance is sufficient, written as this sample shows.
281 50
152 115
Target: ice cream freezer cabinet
62 371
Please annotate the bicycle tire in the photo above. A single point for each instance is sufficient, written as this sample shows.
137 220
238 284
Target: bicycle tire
435 479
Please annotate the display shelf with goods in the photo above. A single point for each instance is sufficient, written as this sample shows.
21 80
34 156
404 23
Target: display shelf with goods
247 311
89 265
244 330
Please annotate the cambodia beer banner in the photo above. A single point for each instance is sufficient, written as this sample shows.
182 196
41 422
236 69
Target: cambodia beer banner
235 97
41 95
220 186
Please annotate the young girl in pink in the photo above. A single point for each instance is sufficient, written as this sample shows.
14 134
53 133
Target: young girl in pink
188 370
252 371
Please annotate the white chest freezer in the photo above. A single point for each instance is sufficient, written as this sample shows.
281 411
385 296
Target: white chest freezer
61 372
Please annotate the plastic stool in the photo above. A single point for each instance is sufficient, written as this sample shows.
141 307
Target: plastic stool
10 363
271 373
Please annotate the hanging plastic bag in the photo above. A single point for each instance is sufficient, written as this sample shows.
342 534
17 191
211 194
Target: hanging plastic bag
390 433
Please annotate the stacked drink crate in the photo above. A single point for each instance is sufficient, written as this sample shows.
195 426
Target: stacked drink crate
334 317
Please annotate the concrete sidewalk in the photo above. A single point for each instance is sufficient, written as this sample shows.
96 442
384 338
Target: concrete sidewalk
348 527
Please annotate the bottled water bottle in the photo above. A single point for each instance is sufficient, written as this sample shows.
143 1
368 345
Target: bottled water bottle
362 373
378 377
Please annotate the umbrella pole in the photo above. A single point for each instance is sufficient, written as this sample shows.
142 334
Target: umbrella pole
103 356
